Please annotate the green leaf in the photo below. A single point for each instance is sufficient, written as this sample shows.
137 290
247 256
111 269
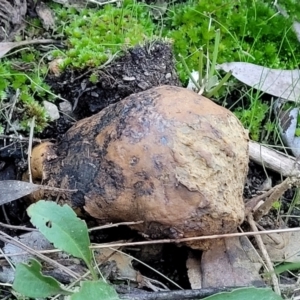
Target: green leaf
287 267
95 290
297 132
60 225
247 294
30 282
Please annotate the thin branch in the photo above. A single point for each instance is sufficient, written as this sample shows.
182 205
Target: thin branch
32 123
265 254
277 192
15 227
8 239
114 225
175 241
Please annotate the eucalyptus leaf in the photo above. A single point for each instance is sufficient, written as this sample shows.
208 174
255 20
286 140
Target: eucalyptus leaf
287 123
60 225
11 190
5 47
279 83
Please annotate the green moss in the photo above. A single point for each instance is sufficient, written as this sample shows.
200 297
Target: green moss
31 89
292 8
253 117
251 31
94 35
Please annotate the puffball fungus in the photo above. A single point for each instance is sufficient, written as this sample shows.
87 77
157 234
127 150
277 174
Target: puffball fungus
166 156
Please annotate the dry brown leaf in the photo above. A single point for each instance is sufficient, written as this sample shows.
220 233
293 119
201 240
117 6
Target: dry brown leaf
123 263
227 264
45 14
14 189
5 47
279 83
288 248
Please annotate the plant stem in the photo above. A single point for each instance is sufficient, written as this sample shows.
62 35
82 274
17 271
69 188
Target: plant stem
215 54
220 84
93 273
200 70
189 72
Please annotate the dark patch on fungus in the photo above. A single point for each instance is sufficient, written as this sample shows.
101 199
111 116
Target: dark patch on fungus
143 188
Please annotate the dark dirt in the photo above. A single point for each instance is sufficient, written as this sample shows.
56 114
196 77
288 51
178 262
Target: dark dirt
139 69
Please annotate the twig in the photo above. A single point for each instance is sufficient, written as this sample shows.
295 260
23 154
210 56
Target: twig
277 161
20 138
169 295
15 227
265 255
29 148
175 241
8 239
277 192
114 225
251 203
5 214
54 189
15 98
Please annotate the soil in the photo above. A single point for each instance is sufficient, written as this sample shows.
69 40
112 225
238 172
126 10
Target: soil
138 69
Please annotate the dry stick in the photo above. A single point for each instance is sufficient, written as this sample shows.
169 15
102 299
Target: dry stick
137 294
16 227
252 203
274 238
170 241
113 225
265 255
54 189
29 148
277 161
8 239
20 138
15 98
276 194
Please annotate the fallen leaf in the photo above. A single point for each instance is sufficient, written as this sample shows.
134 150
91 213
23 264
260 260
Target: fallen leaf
288 248
280 83
228 264
34 240
287 123
5 47
123 263
45 14
14 189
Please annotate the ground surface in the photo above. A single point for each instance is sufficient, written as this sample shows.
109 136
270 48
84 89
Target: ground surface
139 69
124 76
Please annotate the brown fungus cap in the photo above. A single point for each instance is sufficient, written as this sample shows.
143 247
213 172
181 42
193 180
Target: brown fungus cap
166 156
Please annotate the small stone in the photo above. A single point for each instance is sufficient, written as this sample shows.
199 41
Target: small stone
65 107
52 110
128 78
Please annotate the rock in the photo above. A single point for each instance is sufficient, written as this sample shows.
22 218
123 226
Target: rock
52 110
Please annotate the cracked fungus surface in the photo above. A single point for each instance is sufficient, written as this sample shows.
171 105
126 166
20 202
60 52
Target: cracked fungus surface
166 156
